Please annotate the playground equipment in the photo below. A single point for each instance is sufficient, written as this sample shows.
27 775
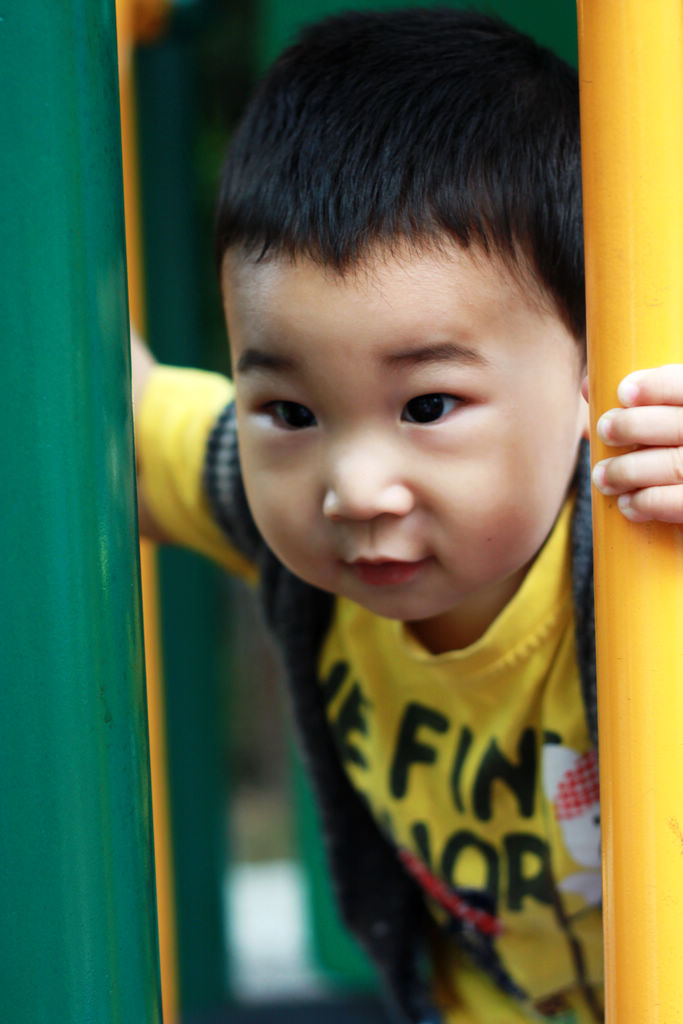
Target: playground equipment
137 21
76 868
631 75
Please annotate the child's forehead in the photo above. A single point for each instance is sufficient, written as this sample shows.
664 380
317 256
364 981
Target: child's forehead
436 266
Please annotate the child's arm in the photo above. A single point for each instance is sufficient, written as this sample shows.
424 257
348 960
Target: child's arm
176 410
649 480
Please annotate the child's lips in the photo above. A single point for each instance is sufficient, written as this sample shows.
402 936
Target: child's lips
386 572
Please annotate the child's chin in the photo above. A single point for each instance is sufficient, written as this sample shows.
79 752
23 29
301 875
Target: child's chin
402 608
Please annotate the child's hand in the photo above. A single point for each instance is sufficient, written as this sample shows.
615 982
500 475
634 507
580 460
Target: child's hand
142 362
649 480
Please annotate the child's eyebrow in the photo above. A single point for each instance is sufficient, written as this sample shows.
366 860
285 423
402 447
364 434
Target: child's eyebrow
444 352
257 359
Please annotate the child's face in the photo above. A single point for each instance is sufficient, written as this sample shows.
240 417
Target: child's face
407 432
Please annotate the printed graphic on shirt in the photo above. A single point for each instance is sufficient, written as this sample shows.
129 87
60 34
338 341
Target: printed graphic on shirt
499 826
571 783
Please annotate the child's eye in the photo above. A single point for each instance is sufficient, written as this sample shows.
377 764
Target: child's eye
292 415
428 408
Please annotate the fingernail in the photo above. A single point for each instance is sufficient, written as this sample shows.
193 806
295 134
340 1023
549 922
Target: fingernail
603 427
627 392
624 503
599 472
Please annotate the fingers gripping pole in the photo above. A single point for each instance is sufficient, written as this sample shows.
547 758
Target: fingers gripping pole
631 79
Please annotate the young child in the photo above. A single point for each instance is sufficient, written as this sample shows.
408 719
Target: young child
400 251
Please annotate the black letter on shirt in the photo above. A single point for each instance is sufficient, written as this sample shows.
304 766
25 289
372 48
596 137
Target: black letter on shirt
422 842
539 885
464 744
408 749
521 778
351 719
468 841
333 684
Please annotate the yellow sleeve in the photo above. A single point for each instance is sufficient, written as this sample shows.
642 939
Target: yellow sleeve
177 413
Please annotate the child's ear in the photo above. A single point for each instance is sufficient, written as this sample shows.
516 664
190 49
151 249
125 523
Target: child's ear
584 413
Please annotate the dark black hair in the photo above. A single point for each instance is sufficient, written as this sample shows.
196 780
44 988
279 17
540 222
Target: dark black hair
417 125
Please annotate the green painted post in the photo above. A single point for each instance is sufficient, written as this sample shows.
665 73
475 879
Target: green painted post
553 24
77 936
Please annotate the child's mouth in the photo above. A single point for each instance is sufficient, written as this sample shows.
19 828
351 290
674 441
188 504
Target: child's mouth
386 574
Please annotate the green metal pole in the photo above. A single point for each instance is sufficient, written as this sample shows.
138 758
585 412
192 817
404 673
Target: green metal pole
77 936
552 24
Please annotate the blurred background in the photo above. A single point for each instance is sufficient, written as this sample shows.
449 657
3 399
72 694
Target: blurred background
254 935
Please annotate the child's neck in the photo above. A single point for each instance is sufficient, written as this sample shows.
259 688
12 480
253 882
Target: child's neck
460 626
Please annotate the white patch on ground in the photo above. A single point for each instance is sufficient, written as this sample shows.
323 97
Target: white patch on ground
265 909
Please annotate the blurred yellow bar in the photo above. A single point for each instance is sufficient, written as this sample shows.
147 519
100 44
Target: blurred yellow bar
631 76
137 20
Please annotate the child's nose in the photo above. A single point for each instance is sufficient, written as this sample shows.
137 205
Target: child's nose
363 485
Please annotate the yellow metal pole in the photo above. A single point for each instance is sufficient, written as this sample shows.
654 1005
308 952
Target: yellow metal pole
137 20
631 76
